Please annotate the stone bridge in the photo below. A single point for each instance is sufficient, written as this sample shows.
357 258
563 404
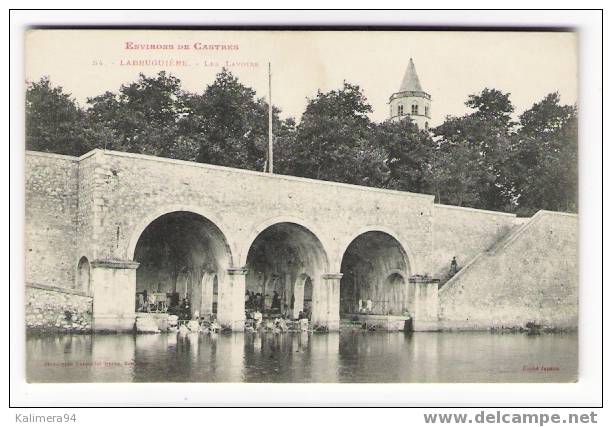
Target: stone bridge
111 225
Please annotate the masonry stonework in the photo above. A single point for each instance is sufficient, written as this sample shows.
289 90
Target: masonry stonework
464 233
51 202
531 276
100 206
49 309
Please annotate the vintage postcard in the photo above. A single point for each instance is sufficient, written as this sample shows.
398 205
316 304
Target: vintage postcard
277 206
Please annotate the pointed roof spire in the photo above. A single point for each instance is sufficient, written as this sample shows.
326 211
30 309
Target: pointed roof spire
410 82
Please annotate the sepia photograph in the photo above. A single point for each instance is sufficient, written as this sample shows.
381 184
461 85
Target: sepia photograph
301 206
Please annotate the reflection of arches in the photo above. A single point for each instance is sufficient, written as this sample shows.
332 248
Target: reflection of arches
178 253
374 267
280 259
83 275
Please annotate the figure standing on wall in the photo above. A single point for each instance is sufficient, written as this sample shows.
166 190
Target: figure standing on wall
453 268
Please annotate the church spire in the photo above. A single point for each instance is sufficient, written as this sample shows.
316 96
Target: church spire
410 82
411 100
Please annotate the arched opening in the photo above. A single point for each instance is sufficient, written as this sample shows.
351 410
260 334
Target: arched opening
285 264
83 275
182 255
301 300
374 268
209 295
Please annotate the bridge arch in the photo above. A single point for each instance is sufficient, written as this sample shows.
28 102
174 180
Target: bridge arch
375 267
181 253
167 209
314 230
286 261
412 262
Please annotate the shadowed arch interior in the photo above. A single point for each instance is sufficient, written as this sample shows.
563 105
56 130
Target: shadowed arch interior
374 266
284 256
184 253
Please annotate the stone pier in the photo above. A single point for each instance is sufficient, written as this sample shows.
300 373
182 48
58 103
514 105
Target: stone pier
231 299
331 283
425 304
114 293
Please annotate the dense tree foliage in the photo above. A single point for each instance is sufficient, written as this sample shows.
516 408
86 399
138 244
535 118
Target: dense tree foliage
53 121
474 149
229 124
333 140
482 159
545 157
408 155
144 117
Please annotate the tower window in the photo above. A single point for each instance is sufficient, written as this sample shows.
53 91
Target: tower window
415 109
426 124
400 110
427 111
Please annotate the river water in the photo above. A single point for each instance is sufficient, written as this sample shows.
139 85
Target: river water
348 356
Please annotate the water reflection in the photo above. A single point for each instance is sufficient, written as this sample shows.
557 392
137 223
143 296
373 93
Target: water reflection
349 356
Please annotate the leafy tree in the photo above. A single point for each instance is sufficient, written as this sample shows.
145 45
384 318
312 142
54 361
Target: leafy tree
284 139
545 157
144 117
230 124
409 154
475 146
53 121
334 140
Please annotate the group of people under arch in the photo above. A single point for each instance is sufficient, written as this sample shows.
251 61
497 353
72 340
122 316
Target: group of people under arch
285 262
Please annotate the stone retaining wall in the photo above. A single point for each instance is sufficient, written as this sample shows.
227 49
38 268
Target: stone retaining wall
55 309
51 200
531 276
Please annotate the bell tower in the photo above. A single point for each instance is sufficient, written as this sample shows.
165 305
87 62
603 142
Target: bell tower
411 100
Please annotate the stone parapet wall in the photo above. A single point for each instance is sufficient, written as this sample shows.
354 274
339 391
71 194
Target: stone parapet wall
55 309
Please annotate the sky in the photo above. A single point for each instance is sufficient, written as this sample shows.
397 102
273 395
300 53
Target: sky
450 65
